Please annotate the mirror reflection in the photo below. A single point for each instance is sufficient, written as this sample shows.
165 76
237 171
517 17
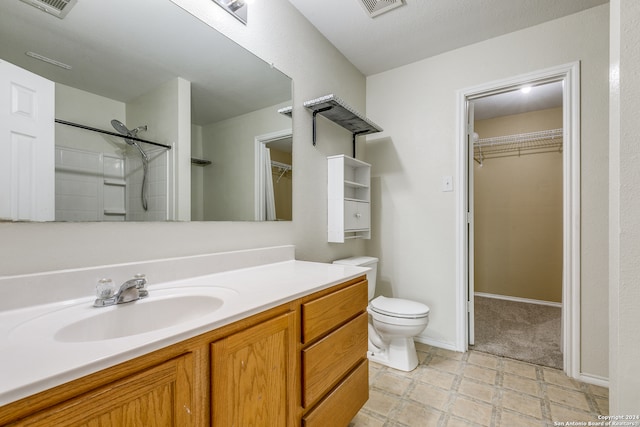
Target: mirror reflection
177 122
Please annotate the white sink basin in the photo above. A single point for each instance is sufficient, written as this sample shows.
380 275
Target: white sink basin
163 308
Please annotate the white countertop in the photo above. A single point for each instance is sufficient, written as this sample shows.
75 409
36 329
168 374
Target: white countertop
31 360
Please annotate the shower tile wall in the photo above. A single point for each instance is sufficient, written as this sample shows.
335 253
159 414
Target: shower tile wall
89 186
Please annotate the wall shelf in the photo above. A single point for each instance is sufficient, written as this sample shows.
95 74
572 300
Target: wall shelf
336 110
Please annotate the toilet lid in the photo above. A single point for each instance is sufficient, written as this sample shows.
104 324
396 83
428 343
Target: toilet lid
398 307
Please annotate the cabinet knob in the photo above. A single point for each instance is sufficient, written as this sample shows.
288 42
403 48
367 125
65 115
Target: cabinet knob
357 214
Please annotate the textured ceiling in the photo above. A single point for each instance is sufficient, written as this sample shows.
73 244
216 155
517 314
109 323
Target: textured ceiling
424 28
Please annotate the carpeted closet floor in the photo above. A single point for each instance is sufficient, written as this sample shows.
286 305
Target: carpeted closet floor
517 330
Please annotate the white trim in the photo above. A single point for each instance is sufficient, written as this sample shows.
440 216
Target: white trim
435 343
570 75
518 299
259 172
594 379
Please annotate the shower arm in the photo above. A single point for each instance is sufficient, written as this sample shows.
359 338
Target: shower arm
106 132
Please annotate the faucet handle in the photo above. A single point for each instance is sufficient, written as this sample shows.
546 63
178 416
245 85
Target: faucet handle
142 286
105 288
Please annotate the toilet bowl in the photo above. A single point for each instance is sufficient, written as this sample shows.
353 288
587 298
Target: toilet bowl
393 322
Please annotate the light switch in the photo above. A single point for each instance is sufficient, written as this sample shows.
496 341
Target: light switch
447 183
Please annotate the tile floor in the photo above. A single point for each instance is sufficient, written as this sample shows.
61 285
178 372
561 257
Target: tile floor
476 389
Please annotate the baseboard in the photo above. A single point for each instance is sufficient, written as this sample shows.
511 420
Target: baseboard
593 379
518 299
436 343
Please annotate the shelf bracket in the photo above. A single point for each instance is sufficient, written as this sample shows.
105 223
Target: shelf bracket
315 113
354 140
334 109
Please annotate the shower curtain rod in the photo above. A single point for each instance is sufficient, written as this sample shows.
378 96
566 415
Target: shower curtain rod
106 132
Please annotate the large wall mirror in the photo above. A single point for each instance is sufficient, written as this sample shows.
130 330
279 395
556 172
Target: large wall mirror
149 71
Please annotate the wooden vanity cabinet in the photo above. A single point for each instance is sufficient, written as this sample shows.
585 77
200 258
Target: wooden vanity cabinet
299 364
335 376
253 379
158 396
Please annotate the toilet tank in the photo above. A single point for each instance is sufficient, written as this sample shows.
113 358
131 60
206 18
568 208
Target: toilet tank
364 261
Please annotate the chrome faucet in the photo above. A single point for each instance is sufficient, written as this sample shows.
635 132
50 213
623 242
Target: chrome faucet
131 290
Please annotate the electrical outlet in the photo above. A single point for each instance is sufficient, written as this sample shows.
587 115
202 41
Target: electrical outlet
447 183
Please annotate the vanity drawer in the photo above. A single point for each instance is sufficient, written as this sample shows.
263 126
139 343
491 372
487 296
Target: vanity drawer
326 313
343 402
357 215
327 361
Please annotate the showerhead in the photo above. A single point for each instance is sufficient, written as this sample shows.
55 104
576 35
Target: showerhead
120 127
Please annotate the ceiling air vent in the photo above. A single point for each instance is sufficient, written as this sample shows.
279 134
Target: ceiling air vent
57 8
378 7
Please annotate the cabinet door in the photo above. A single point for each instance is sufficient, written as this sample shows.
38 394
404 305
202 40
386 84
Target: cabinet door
253 376
159 396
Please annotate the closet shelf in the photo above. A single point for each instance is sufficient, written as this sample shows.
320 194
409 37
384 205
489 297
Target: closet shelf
518 144
336 110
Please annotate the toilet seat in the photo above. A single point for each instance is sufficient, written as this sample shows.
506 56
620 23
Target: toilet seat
398 308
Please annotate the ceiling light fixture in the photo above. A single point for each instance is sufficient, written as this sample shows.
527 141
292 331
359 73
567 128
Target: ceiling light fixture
525 89
48 60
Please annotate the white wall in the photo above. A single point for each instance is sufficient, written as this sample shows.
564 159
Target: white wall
280 35
624 226
78 106
415 104
230 145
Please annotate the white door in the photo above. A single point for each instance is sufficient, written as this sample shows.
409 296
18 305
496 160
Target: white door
470 230
27 145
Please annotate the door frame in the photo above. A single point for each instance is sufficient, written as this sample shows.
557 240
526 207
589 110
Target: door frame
259 173
569 74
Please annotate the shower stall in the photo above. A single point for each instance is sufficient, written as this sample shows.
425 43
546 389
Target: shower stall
113 176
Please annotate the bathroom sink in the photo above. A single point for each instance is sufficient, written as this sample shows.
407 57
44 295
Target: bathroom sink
163 308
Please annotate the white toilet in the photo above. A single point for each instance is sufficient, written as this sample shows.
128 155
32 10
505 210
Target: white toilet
393 322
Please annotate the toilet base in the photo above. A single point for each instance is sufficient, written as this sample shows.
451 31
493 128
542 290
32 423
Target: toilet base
399 354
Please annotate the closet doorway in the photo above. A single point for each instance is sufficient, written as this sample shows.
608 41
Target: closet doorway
517 197
527 166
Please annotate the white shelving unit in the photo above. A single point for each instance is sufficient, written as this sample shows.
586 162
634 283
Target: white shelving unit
349 199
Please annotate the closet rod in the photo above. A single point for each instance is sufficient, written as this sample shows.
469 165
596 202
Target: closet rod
106 132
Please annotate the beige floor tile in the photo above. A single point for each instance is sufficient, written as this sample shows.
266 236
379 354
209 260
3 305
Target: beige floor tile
563 414
598 391
457 422
566 397
444 364
485 360
476 390
436 378
423 347
522 404
365 420
392 383
452 389
429 396
381 403
510 419
481 374
418 415
557 377
521 384
603 405
455 355
479 413
520 368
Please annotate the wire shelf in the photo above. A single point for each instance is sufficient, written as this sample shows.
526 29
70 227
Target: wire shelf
519 144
